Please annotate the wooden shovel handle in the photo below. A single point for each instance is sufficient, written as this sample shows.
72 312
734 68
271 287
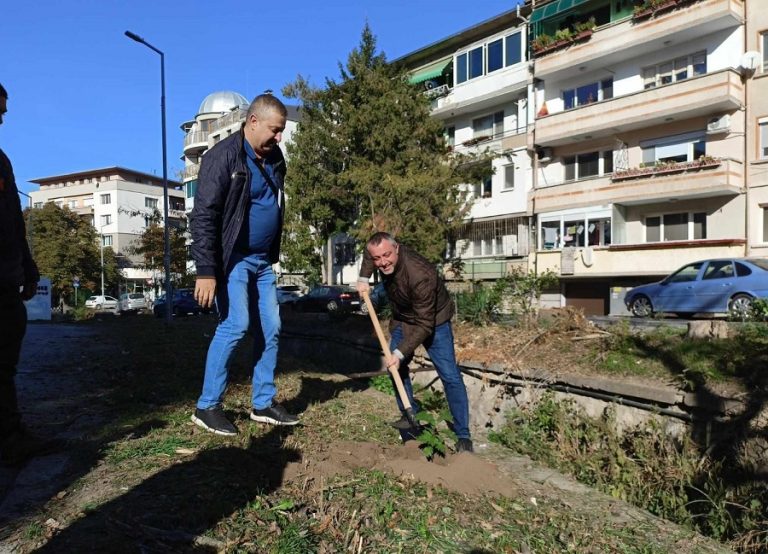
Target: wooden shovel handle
385 348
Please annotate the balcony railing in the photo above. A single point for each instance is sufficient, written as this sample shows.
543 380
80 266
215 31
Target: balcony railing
191 171
195 137
707 94
233 117
662 168
610 43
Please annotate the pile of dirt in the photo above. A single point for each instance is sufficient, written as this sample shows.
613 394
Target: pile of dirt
463 473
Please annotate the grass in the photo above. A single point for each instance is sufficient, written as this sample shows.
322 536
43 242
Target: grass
672 479
147 478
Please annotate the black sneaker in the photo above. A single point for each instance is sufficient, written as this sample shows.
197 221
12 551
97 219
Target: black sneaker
275 415
464 445
214 420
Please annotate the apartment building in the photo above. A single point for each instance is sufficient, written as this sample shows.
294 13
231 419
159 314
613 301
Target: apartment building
640 141
118 202
477 80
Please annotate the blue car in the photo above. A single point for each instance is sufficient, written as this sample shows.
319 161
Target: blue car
184 303
727 285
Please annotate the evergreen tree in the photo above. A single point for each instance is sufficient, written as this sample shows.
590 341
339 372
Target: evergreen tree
368 157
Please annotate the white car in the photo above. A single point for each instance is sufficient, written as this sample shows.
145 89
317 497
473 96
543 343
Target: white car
101 303
133 302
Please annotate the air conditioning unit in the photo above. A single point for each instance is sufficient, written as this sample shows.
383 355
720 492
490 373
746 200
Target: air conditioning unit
545 155
720 124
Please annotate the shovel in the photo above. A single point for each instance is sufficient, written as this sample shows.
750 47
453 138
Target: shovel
409 414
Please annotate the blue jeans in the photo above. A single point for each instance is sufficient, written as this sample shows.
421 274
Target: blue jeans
439 346
249 301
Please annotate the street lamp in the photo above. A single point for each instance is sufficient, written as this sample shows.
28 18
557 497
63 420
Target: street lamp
101 233
166 238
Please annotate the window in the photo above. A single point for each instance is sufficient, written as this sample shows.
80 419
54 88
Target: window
72 204
588 94
719 269
685 274
763 124
484 189
150 203
586 165
106 240
675 70
106 219
514 45
38 205
495 55
765 224
576 230
509 177
678 148
679 226
450 136
106 198
481 60
191 188
764 44
489 126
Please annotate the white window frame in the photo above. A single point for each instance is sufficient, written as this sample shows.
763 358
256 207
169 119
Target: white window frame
601 94
106 240
496 128
691 226
106 219
601 169
653 75
509 177
762 133
504 38
150 202
106 199
685 141
764 50
584 218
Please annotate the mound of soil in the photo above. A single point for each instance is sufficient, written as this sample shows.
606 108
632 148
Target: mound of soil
463 473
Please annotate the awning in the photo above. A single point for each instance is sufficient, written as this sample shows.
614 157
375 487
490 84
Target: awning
553 9
430 72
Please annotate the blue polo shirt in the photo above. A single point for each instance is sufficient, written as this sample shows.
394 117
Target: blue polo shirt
262 220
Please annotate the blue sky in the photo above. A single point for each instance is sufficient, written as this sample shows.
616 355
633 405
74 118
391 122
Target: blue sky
83 95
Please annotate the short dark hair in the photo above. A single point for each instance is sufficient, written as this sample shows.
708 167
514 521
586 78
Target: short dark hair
3 92
377 238
265 103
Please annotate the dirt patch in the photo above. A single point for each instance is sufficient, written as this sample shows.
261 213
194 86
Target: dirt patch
463 473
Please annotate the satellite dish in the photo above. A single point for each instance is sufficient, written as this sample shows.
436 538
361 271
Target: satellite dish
750 60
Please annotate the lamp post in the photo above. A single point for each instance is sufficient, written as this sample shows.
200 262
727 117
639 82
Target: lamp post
101 249
166 237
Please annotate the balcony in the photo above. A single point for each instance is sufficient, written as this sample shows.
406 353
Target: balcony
651 259
195 142
177 214
722 179
629 38
236 116
191 171
712 93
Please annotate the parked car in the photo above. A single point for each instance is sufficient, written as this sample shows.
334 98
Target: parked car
184 303
101 302
726 285
329 298
132 302
287 294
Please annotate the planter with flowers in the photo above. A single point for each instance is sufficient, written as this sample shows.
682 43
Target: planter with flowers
665 168
544 43
650 8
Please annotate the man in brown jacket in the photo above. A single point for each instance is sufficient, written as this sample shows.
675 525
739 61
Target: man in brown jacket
421 314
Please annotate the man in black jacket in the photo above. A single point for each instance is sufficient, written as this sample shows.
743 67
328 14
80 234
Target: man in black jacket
18 282
236 227
421 314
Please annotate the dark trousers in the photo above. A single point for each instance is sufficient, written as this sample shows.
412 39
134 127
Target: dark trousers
13 325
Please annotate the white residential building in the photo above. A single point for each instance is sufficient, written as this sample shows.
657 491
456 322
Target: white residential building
478 82
118 202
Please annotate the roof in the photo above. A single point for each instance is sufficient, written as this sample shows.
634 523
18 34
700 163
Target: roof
100 171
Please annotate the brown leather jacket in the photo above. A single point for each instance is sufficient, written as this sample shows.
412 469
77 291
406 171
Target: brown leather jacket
420 301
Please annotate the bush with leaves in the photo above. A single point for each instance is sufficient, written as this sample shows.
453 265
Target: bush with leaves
434 432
